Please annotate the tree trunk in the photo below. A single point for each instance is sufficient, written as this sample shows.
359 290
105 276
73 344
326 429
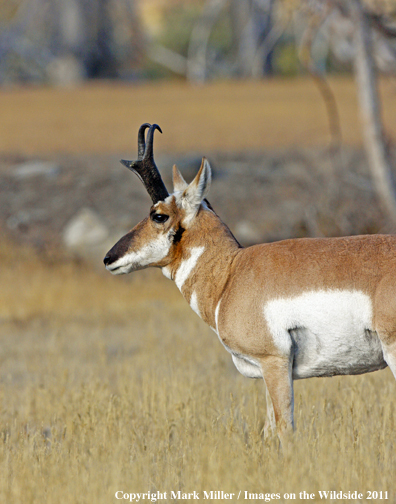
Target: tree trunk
370 109
197 49
244 42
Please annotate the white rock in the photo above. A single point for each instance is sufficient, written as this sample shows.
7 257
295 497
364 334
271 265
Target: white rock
86 229
35 168
247 233
65 72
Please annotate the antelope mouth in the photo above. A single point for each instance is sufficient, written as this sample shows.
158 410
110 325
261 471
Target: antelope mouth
115 267
122 266
115 270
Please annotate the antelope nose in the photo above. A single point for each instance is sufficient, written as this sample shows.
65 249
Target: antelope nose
108 259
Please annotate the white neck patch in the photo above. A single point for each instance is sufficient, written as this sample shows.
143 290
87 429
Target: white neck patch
217 317
194 303
187 266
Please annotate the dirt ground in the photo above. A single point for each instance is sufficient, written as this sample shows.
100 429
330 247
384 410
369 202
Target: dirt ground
262 196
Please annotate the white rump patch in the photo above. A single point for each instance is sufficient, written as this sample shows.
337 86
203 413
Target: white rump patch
331 332
187 266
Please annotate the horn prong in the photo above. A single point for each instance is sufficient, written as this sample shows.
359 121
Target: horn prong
126 163
148 151
141 140
131 165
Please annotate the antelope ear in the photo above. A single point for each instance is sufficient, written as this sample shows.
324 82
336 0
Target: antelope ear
196 192
179 184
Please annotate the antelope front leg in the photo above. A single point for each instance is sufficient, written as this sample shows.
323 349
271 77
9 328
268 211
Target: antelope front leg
277 374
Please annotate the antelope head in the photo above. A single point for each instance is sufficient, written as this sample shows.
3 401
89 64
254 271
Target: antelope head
154 241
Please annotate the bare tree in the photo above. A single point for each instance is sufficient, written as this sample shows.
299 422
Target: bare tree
317 18
46 39
252 34
197 51
370 108
362 27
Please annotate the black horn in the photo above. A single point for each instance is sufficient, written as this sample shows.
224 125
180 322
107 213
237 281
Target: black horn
141 140
145 167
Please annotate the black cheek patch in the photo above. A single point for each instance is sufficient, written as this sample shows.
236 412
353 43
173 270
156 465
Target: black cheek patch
178 235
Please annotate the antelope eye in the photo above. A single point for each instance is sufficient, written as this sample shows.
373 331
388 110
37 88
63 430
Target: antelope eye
160 218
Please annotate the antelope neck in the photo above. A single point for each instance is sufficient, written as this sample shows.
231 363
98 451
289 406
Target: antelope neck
202 273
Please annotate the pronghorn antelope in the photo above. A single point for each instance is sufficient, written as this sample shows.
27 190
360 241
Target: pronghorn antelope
288 310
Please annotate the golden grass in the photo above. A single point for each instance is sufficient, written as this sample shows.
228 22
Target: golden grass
220 116
111 384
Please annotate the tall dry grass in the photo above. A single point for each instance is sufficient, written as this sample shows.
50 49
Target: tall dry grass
111 383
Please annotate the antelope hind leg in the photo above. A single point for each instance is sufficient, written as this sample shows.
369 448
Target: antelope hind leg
389 350
277 374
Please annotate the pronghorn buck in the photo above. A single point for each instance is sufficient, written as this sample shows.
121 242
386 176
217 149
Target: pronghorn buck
288 310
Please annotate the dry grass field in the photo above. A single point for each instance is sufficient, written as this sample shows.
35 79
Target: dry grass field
112 383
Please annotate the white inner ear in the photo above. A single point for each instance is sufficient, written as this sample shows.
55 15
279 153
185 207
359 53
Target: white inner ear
196 192
179 184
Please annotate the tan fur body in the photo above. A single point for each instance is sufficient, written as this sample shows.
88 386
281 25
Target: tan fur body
287 268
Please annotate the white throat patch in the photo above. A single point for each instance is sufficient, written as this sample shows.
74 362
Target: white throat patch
187 266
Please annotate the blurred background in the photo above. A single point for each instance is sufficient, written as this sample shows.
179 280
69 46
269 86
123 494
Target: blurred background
54 42
283 96
294 104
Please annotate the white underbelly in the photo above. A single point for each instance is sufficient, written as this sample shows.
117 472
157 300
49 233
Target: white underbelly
315 355
330 331
247 366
